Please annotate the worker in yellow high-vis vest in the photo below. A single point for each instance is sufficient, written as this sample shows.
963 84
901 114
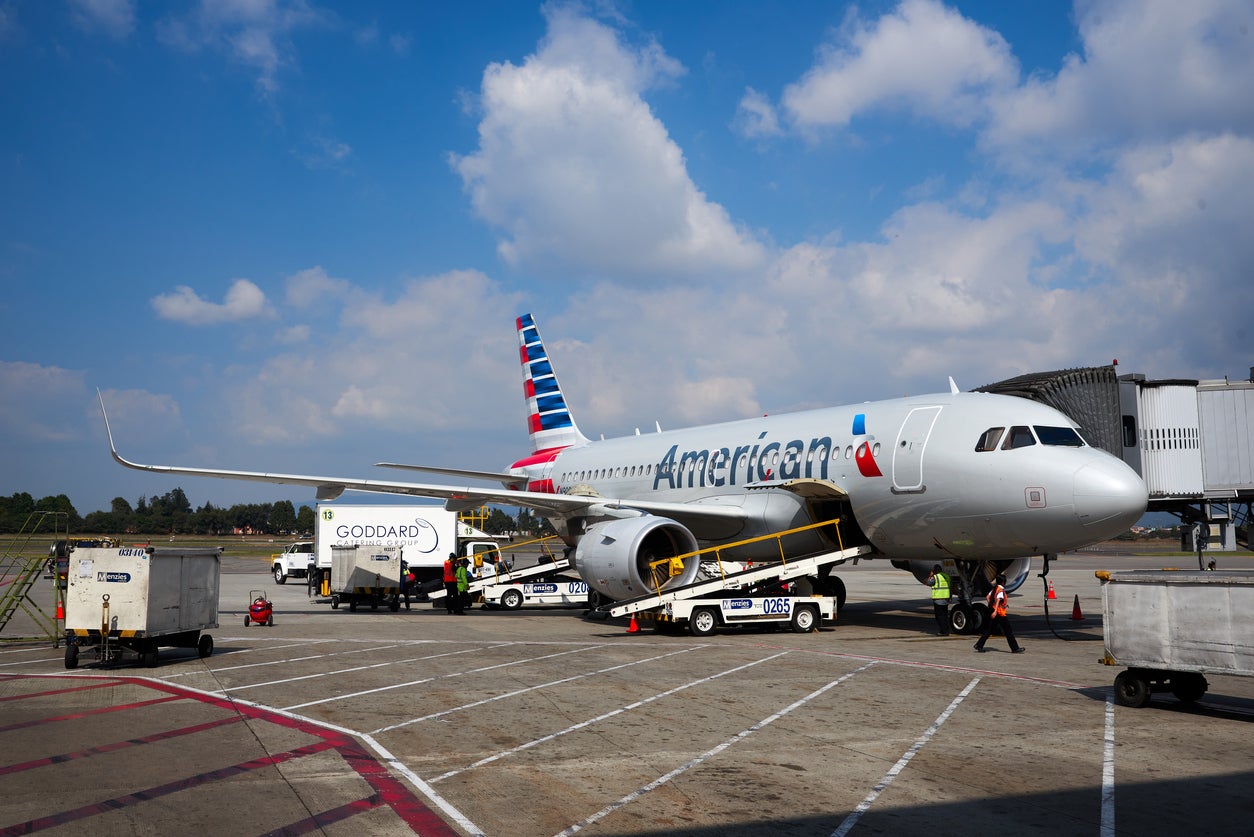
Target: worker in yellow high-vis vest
939 583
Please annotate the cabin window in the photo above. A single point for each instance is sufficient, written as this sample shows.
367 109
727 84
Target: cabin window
848 451
1018 437
1059 436
990 438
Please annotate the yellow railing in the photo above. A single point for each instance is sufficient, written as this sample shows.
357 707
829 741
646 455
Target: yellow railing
675 565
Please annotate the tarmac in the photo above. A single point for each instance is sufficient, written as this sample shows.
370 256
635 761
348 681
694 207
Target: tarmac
541 722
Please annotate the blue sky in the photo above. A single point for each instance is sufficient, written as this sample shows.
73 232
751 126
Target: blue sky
293 236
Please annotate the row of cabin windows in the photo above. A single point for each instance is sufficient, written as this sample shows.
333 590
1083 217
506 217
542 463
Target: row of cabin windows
745 461
1021 436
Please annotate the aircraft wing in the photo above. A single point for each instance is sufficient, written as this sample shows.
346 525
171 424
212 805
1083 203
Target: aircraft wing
456 498
504 477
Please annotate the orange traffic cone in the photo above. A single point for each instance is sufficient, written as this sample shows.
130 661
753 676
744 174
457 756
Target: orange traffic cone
1051 591
1075 610
633 628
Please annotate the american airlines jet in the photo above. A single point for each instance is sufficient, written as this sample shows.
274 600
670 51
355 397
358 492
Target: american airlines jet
978 481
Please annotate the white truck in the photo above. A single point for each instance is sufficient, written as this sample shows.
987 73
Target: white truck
292 562
703 617
427 534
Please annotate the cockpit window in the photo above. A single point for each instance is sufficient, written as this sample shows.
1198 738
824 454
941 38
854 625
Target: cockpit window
1018 437
990 438
1064 436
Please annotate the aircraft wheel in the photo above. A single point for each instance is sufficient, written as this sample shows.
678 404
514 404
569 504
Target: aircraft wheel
804 619
1188 687
511 600
1131 689
204 648
960 619
703 622
71 656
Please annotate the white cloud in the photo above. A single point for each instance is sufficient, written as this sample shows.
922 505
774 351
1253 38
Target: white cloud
923 57
579 173
1148 70
755 116
312 286
243 301
116 18
39 403
256 34
439 357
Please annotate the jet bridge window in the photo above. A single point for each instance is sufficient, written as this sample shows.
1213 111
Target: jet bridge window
1018 437
990 438
1058 436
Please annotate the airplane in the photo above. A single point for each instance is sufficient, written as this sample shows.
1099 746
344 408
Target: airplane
978 481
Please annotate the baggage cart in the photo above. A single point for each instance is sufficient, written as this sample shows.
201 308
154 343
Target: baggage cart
1171 628
140 599
366 574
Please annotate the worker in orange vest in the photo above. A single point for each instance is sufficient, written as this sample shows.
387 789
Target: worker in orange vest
996 599
450 583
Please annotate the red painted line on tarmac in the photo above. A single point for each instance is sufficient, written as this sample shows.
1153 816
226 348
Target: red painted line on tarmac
119 745
389 790
148 794
320 821
395 795
88 712
54 691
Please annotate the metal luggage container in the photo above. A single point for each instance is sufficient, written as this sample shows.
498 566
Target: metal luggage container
140 599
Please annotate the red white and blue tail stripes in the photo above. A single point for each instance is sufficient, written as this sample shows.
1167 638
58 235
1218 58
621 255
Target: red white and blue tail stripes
548 418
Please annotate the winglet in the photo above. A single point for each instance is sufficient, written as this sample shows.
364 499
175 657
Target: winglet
953 387
109 432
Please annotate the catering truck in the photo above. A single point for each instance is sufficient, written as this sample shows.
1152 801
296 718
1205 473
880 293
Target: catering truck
427 534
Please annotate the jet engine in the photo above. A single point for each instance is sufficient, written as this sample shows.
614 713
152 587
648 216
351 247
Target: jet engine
625 558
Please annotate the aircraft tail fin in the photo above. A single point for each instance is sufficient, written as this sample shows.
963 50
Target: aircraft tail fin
549 422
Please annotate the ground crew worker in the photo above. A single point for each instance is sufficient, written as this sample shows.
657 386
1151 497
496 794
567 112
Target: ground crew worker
450 583
462 582
939 582
996 599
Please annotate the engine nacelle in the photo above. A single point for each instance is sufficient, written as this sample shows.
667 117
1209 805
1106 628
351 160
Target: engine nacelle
615 557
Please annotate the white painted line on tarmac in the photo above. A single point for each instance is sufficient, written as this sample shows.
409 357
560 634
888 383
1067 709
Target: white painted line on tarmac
518 692
288 660
656 783
440 802
367 667
852 820
597 719
1108 771
444 676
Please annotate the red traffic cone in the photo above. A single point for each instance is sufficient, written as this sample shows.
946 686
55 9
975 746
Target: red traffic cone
1051 591
60 611
1075 610
633 628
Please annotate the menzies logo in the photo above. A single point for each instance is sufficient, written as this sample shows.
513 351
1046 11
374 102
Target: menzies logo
113 577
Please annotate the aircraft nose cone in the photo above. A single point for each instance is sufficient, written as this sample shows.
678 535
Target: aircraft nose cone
1109 496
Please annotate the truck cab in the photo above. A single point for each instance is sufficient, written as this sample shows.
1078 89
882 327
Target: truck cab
292 562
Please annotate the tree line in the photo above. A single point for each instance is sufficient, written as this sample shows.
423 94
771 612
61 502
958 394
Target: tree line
172 514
